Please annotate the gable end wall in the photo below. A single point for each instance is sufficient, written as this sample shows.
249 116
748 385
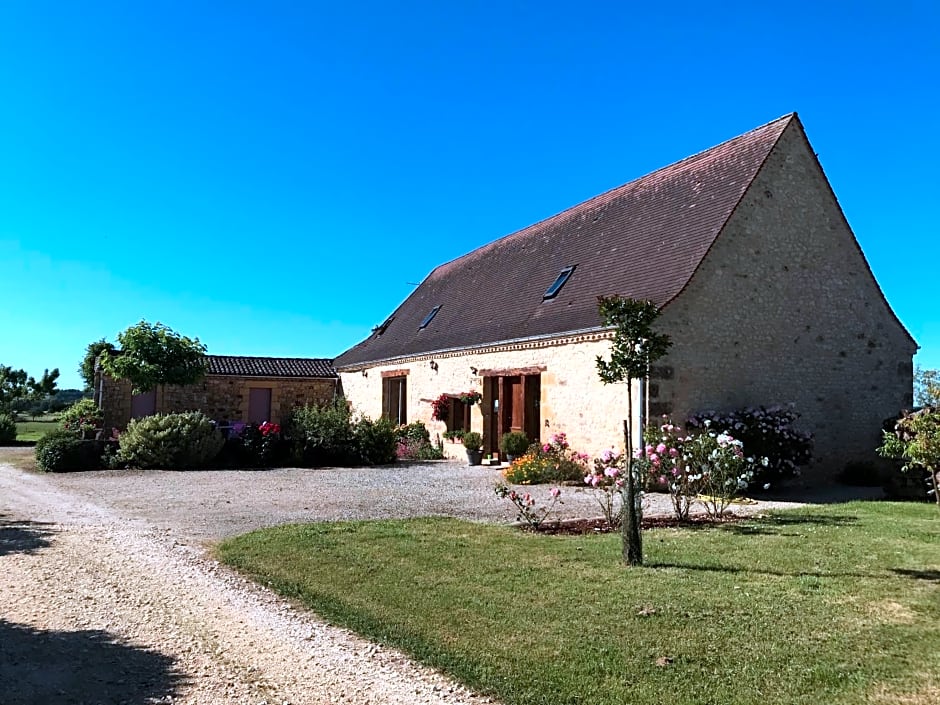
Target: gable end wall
784 309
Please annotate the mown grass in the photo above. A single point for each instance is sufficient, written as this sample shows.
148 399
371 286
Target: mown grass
34 430
831 604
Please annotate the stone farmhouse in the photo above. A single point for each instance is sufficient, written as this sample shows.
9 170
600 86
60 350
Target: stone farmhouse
762 286
249 389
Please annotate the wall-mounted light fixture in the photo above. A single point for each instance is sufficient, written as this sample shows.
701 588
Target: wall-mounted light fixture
365 373
473 370
433 365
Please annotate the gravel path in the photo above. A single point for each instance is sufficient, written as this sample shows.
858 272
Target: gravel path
108 595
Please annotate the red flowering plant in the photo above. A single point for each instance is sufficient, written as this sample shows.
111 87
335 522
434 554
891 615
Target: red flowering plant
261 443
471 397
269 429
441 408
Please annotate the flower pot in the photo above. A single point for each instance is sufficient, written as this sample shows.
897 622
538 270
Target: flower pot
474 457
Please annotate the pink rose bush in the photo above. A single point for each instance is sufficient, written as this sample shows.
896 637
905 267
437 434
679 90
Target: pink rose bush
707 466
607 478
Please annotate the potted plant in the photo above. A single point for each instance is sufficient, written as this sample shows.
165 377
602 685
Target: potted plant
473 442
471 397
454 436
513 444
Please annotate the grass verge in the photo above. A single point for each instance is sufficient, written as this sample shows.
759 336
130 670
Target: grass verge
19 457
833 604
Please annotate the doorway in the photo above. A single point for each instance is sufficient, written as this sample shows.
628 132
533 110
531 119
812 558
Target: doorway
259 405
511 403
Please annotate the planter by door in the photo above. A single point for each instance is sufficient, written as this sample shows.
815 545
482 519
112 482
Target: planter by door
474 457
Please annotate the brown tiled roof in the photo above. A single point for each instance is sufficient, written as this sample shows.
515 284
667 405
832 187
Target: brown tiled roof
644 239
269 366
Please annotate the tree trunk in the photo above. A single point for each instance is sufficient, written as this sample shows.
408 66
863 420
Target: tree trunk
632 538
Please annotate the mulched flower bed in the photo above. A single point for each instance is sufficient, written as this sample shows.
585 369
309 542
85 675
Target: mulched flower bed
578 527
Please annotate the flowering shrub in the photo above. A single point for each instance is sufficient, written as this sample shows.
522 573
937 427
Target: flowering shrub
663 461
525 504
708 466
441 408
607 478
767 433
261 443
716 466
414 443
83 418
551 462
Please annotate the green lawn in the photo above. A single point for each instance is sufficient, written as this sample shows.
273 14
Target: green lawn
836 604
34 430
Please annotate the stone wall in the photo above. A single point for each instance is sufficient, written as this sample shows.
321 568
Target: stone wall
222 398
113 397
785 310
573 399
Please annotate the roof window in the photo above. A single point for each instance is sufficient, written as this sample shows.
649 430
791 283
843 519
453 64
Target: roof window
552 291
429 317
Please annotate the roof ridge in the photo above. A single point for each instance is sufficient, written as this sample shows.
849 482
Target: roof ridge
268 357
594 200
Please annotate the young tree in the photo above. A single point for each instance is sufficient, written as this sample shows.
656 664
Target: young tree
92 352
916 441
635 347
152 354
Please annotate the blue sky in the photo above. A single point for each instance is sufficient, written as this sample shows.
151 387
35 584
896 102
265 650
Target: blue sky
275 177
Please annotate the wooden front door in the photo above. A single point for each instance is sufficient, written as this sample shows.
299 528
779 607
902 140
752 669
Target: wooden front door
510 403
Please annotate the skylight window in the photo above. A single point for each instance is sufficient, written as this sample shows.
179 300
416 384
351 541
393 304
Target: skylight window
429 317
552 291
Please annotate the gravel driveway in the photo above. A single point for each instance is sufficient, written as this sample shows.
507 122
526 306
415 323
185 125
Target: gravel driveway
108 596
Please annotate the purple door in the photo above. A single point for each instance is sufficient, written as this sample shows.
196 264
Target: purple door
144 404
259 405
